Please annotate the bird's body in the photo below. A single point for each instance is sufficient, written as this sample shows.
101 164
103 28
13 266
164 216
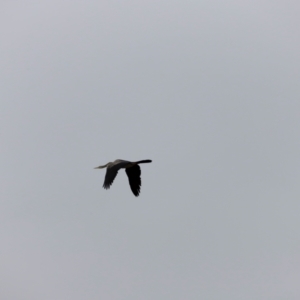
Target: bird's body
132 169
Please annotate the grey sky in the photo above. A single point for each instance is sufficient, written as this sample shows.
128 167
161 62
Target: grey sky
209 90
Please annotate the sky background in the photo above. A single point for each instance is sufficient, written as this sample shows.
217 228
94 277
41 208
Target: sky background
209 90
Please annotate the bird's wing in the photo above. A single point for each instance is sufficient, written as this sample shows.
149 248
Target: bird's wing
111 173
134 176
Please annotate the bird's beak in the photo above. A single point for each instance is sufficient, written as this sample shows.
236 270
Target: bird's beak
100 167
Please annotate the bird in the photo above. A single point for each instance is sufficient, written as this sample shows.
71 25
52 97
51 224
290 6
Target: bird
132 170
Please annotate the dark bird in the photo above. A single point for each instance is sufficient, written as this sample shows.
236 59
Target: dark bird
132 170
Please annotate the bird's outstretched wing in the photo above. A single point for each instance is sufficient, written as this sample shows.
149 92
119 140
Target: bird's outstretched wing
111 173
134 176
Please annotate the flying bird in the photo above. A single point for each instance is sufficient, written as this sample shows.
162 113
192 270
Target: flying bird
132 170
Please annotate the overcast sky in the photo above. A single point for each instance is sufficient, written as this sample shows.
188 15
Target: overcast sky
209 90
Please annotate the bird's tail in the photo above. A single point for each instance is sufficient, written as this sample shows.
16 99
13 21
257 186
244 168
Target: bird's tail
143 161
